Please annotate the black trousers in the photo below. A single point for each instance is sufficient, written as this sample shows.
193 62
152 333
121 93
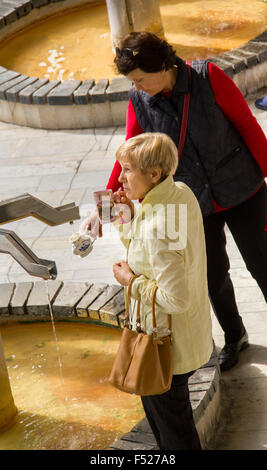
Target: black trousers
247 223
171 418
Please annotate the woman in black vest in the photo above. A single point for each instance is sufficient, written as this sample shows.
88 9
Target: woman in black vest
222 158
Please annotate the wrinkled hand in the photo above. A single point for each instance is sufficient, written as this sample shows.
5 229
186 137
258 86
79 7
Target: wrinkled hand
123 205
93 225
122 273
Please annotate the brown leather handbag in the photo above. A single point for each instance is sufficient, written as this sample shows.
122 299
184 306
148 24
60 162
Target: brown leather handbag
144 363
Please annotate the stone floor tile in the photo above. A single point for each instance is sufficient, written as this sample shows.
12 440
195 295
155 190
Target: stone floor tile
51 182
244 440
101 164
22 184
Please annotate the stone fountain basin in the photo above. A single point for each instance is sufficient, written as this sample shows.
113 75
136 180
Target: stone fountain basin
88 320
73 104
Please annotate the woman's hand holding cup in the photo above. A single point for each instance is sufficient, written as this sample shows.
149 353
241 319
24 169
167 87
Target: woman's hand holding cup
123 206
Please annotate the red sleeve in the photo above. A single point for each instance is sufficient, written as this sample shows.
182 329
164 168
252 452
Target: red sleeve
132 129
235 107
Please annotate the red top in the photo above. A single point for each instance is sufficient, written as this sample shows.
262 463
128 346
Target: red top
232 103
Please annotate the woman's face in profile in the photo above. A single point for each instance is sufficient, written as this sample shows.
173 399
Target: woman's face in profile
151 83
135 183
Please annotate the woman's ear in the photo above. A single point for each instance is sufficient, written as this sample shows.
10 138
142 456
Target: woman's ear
156 174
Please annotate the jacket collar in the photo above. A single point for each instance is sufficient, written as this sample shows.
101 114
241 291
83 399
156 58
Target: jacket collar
159 193
181 85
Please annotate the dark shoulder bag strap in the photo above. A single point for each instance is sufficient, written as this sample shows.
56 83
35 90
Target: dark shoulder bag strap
185 114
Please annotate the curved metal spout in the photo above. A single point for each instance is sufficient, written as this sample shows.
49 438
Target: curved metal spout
10 243
27 205
10 210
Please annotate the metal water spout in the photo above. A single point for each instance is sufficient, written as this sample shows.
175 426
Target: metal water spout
10 243
27 205
10 210
126 16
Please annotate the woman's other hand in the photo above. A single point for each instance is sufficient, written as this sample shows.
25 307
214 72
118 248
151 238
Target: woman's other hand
125 206
122 273
93 225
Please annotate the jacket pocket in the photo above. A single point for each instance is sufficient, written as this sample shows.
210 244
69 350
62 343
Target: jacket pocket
228 157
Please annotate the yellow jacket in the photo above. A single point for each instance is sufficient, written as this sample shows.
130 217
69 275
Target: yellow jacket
166 246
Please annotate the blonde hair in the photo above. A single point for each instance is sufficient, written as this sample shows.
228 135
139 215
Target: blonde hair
150 150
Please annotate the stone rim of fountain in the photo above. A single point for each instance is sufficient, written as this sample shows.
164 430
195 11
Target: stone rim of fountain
103 304
29 101
73 104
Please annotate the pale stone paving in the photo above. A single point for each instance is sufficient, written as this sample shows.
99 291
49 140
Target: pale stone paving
60 167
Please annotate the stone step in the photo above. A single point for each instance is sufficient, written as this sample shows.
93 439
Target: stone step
6 292
69 296
10 84
12 93
8 12
63 93
108 293
20 297
38 302
40 96
81 94
25 95
91 295
8 75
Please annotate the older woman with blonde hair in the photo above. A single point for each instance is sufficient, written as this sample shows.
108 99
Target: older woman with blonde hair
165 245
223 161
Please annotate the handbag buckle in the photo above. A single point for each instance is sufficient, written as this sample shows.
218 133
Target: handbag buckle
155 333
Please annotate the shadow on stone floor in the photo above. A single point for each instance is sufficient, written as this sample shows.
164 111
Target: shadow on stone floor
243 419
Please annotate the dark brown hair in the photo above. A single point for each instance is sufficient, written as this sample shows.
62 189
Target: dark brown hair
150 54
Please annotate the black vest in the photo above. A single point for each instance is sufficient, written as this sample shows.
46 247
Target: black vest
216 163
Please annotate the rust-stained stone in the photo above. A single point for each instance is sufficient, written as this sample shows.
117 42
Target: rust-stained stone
69 296
145 438
116 305
199 387
197 396
37 303
19 298
108 293
6 291
142 426
202 375
110 312
91 295
109 318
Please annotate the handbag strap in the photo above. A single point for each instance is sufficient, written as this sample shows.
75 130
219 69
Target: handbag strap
185 114
154 325
127 308
128 301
